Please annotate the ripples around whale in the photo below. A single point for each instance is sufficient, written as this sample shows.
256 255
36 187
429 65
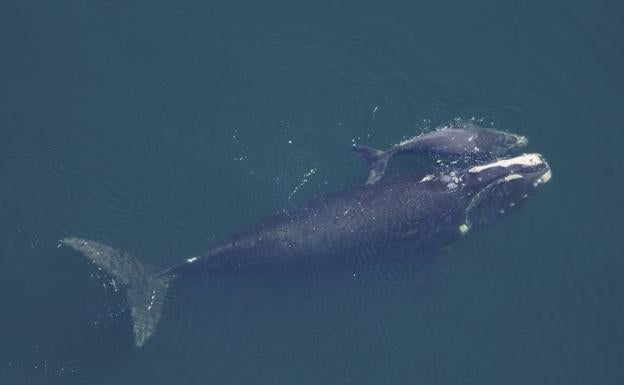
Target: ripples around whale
162 127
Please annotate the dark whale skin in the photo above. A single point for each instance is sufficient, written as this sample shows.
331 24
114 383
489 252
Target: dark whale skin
401 216
365 223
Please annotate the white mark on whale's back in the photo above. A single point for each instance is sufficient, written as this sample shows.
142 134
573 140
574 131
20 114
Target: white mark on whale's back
427 178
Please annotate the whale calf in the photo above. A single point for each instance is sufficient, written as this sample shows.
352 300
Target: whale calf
405 214
468 141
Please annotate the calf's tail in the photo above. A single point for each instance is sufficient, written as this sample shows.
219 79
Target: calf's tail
377 161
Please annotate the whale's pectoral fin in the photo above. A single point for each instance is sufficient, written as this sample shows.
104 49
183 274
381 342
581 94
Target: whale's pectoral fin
145 290
377 161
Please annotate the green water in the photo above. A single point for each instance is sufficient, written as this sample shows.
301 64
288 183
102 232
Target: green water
161 127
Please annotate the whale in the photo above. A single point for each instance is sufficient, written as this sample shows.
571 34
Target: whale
468 143
402 216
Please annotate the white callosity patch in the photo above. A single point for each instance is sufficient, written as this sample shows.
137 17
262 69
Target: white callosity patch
451 180
520 140
523 160
191 260
543 179
546 177
464 228
512 177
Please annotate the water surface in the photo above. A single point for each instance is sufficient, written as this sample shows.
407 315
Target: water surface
161 127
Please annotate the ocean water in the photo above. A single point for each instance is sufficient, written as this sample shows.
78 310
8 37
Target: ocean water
161 127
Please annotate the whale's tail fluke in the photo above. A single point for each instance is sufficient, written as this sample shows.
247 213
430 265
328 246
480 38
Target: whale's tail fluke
377 161
145 289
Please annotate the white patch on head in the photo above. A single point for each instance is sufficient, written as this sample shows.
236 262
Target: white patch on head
512 177
427 178
543 179
546 177
520 140
524 160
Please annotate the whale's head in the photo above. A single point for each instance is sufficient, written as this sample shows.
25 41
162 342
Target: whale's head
499 187
499 143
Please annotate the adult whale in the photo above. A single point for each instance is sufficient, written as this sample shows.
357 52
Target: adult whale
405 214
